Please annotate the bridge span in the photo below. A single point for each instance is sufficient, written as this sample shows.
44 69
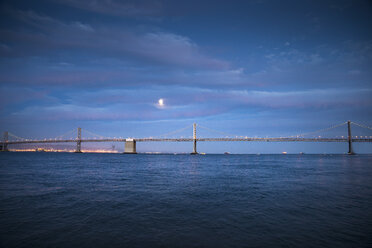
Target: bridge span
130 143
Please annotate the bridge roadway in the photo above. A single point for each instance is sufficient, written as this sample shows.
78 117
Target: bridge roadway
191 140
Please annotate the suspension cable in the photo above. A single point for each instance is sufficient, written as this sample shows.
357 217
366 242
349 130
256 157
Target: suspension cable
320 130
174 132
223 133
65 134
15 136
361 125
91 133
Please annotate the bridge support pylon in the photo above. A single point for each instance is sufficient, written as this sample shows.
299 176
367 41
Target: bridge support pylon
130 146
78 141
4 148
349 139
194 152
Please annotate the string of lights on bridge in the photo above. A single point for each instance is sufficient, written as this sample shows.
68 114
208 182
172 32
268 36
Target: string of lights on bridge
225 134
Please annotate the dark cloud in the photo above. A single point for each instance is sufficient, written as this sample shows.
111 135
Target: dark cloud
122 43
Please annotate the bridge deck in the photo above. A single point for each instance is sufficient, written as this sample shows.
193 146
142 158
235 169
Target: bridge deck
198 140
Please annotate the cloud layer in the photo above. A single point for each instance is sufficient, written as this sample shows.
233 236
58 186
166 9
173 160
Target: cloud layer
242 65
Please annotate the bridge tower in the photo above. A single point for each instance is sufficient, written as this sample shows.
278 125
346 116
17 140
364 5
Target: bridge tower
5 142
349 139
194 139
78 141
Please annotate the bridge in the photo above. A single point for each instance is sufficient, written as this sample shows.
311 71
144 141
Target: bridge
131 143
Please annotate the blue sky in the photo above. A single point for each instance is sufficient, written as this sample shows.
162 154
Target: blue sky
251 68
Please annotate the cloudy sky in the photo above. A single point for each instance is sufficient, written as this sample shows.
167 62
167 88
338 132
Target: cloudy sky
251 68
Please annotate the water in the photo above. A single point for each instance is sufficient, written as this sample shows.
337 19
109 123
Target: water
115 200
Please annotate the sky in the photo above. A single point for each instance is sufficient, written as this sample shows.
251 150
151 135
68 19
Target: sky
255 68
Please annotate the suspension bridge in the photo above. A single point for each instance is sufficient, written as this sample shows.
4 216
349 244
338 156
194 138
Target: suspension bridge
10 139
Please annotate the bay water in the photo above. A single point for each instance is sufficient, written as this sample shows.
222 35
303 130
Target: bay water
117 200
